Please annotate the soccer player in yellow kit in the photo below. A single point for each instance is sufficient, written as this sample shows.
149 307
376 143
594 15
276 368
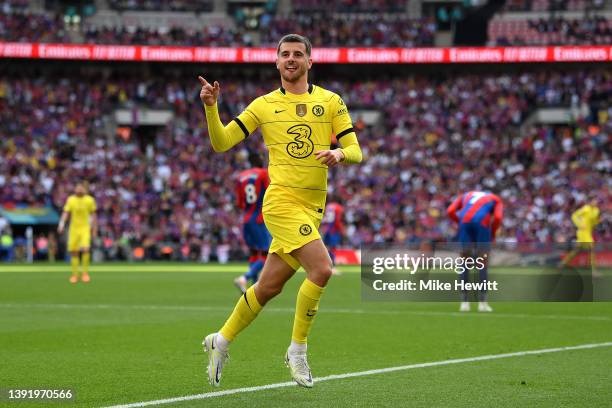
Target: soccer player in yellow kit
297 122
81 207
585 219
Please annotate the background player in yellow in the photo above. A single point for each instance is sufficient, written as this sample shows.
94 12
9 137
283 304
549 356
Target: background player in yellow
297 121
81 207
585 219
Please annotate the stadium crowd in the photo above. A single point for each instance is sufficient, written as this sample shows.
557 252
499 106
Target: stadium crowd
171 197
18 26
211 36
553 31
593 30
350 6
553 5
364 30
162 5
370 24
369 30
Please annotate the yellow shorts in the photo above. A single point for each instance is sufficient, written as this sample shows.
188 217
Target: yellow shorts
292 226
78 239
584 236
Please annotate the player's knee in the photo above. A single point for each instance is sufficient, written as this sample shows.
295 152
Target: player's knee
266 291
320 274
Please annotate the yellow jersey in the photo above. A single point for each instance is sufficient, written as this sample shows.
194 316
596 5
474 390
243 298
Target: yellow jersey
585 219
294 128
80 210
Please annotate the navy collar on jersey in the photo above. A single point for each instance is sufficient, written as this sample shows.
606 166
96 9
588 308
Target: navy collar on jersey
310 88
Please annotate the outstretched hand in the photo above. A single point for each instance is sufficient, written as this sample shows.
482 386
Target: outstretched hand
209 93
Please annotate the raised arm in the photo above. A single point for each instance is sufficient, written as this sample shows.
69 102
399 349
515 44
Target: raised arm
222 138
578 217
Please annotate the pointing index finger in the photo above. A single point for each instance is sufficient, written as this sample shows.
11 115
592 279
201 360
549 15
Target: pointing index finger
203 81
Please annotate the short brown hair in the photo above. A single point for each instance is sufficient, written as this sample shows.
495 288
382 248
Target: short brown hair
295 38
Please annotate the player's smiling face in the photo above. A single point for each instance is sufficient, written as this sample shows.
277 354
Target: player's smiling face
292 61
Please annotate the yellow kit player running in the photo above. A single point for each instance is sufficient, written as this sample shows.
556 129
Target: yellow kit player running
81 207
297 122
585 219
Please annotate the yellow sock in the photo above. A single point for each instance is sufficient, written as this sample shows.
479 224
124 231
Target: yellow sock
305 310
244 313
86 257
74 263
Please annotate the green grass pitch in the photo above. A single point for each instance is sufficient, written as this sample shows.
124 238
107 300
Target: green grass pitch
134 333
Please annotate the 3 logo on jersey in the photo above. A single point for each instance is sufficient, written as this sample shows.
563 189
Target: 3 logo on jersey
301 146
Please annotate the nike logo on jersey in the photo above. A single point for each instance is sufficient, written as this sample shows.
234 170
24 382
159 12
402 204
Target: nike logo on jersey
311 312
279 111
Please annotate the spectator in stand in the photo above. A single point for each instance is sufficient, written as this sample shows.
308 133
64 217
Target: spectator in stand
42 248
3 222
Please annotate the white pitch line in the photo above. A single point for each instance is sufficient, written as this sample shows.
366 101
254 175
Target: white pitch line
361 374
291 310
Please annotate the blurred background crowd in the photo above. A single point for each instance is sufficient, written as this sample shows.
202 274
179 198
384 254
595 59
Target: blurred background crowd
427 135
327 23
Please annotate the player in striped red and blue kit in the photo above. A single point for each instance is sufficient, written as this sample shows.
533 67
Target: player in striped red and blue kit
250 189
332 229
479 215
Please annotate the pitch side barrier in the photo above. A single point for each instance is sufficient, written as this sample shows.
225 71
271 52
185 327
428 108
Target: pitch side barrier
514 272
243 55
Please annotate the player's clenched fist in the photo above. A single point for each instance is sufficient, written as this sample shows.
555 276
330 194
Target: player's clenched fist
209 93
330 157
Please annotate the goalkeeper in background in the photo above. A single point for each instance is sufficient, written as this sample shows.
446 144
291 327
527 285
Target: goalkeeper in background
585 219
81 208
